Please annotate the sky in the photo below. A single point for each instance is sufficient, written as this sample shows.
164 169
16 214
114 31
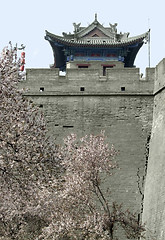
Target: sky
25 22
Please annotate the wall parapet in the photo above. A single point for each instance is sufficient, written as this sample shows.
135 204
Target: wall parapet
159 76
116 81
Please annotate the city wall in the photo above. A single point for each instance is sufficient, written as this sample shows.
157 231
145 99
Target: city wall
154 196
84 102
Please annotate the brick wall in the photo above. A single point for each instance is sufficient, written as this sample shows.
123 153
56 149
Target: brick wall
154 201
85 102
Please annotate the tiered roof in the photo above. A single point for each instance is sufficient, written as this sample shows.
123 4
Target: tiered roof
95 36
95 42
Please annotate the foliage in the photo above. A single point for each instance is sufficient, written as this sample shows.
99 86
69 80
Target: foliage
50 193
82 210
27 158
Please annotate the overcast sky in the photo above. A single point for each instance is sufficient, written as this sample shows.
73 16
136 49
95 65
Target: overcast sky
26 21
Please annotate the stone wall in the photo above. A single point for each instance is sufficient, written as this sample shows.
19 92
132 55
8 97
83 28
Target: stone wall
154 201
91 79
85 102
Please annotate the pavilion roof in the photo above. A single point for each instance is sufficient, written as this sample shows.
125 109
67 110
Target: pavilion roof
96 41
96 35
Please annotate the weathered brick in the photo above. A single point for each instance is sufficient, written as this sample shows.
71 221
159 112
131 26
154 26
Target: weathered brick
125 115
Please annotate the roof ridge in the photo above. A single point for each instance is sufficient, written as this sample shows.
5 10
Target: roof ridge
96 41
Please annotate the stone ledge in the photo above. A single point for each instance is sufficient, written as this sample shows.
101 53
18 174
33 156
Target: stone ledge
84 94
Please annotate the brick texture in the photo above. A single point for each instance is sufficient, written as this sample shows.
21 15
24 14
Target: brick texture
84 101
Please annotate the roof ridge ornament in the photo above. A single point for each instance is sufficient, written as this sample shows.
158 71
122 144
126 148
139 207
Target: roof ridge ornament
113 27
95 16
96 21
76 27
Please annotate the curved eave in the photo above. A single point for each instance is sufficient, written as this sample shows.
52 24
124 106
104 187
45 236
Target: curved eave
95 43
130 58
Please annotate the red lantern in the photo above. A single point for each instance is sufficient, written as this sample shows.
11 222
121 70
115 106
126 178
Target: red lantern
23 61
22 68
23 54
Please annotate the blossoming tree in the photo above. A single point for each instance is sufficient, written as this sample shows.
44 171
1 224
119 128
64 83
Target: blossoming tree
82 210
49 192
27 158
